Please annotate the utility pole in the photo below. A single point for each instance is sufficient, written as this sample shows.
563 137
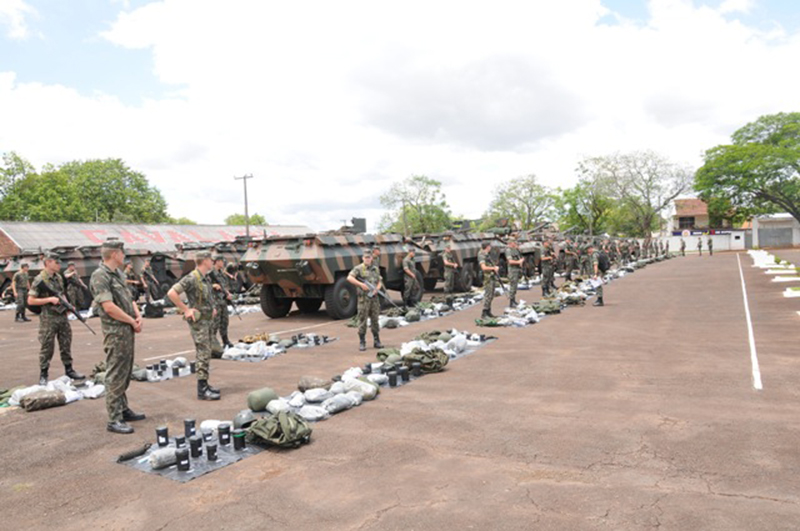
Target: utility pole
244 178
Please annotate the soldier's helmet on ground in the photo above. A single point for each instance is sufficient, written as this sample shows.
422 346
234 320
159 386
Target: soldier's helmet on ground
243 419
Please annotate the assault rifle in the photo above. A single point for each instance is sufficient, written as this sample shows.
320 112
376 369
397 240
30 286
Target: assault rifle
373 291
64 303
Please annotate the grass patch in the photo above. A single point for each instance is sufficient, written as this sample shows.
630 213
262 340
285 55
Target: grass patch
795 288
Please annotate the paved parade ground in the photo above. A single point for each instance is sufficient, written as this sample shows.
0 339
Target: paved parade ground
641 414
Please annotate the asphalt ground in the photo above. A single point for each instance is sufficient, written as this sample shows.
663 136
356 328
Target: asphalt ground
641 414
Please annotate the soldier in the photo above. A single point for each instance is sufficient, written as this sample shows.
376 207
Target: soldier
571 258
199 315
133 282
20 285
700 245
548 268
683 247
597 274
222 291
489 272
120 319
710 244
410 285
666 249
53 322
584 260
514 260
149 281
450 269
74 284
368 304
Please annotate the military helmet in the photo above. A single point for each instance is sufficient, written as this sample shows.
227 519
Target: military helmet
243 419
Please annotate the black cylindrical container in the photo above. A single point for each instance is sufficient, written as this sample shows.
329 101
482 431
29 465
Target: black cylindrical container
193 367
238 440
189 427
160 373
324 339
392 378
224 430
176 371
207 435
180 441
416 368
483 337
196 446
211 451
163 364
404 374
183 459
162 435
368 368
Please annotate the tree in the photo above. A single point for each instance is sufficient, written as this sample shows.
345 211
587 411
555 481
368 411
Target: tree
417 205
522 200
760 171
643 184
239 219
181 221
14 168
585 208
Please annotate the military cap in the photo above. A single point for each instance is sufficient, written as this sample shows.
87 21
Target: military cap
218 257
50 255
113 243
202 255
70 264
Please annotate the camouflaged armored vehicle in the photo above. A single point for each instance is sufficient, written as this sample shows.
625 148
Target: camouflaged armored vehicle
312 269
465 247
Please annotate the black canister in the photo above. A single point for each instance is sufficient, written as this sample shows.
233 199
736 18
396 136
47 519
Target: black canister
189 428
160 373
392 378
207 434
224 430
182 454
196 446
211 451
180 441
239 442
404 375
483 337
163 365
176 371
162 436
368 368
193 367
416 368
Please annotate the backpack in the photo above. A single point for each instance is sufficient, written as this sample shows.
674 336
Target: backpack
284 430
433 360
603 263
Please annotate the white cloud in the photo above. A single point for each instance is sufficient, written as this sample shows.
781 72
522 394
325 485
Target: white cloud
327 103
737 6
13 14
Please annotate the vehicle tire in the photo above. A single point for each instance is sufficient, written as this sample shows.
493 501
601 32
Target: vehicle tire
430 284
417 295
271 305
341 299
464 279
308 305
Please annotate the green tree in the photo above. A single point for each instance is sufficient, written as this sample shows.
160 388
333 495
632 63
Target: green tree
416 205
585 208
521 200
14 168
239 219
50 196
760 171
181 221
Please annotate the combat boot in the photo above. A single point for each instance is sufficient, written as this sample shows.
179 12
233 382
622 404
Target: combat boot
362 342
69 371
378 343
25 318
212 389
18 319
599 302
485 315
204 393
43 378
226 342
119 427
512 302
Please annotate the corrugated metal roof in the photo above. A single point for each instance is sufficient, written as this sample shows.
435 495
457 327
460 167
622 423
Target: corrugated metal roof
690 207
155 238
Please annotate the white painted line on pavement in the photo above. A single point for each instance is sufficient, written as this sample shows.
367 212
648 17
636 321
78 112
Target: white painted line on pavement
753 355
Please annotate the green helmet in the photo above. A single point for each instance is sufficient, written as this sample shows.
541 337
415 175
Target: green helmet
243 419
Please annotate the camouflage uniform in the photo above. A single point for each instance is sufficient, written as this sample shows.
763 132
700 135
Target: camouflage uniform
683 247
197 288
585 262
710 245
700 246
595 262
367 307
488 281
548 271
73 289
150 278
449 275
53 322
118 338
134 289
570 260
222 320
513 273
20 281
410 285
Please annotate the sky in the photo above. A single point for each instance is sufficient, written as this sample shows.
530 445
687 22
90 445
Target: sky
327 104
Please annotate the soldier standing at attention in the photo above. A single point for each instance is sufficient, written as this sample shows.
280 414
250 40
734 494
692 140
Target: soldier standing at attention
700 245
410 285
683 247
368 303
489 271
584 261
597 274
450 268
74 284
199 314
514 260
133 282
548 264
53 322
571 258
120 319
710 244
20 285
222 290
149 280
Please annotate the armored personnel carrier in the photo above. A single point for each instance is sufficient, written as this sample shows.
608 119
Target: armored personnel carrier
465 247
309 270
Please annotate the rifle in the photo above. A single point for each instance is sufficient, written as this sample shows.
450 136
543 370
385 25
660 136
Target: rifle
374 290
67 305
227 294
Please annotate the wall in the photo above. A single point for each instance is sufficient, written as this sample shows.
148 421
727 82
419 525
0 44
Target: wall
777 230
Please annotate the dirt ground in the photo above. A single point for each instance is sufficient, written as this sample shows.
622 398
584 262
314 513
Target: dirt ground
638 415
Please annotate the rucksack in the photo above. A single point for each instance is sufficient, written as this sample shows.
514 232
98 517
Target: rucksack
432 360
603 263
284 430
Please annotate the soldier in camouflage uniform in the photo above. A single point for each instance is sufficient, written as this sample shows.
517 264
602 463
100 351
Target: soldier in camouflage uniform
120 320
710 245
74 285
133 282
53 322
571 258
199 315
514 260
450 268
368 304
222 290
700 245
683 247
410 284
489 271
597 274
584 261
20 285
548 268
149 281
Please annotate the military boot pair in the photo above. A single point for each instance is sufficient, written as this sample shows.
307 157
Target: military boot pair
377 339
206 392
72 373
362 342
121 426
599 302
